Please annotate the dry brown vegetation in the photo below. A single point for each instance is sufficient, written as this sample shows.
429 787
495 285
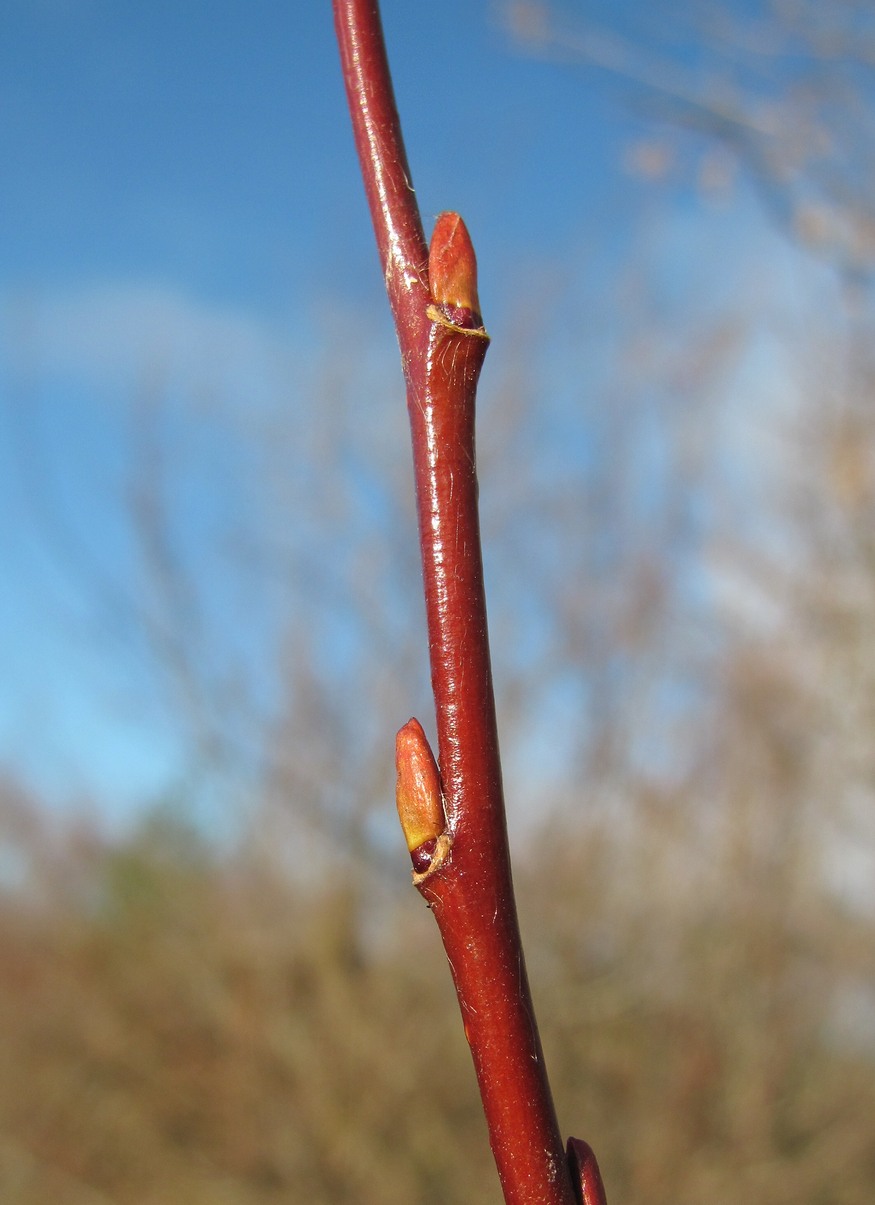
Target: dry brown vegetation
180 1027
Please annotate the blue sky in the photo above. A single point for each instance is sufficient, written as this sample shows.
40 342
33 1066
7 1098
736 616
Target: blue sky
180 200
208 145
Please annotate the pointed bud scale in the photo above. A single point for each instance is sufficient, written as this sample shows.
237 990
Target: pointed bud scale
452 271
418 788
585 1172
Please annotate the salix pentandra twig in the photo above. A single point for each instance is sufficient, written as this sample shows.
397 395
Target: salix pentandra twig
455 824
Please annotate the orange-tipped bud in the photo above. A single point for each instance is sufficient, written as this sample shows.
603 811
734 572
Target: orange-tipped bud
452 265
418 788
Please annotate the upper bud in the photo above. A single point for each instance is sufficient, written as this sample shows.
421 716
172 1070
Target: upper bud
452 269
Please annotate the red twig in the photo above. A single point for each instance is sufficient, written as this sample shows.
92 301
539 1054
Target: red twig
455 824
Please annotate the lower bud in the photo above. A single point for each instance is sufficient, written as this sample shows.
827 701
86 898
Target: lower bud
418 792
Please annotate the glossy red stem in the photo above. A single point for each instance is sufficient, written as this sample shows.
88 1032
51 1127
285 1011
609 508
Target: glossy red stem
472 892
386 175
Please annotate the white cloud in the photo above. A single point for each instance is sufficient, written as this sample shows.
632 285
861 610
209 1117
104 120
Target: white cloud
119 336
